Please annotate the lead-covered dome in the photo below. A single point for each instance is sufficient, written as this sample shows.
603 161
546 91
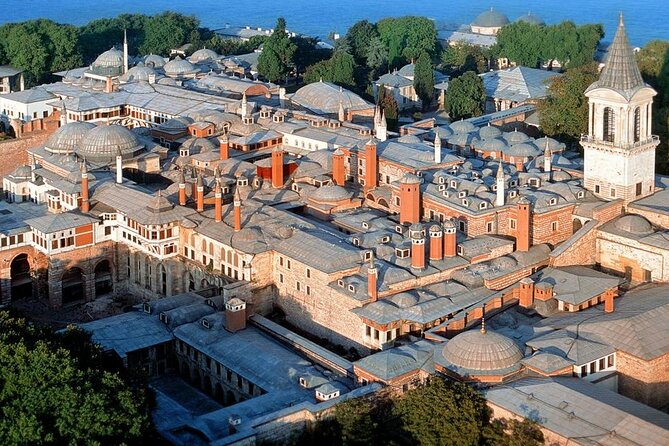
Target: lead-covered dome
179 67
325 97
109 63
203 55
153 60
138 73
103 143
491 19
330 194
482 351
67 138
634 224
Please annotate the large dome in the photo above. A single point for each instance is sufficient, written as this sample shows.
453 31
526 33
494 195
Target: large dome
138 73
153 60
109 63
634 224
491 19
482 351
103 143
324 98
203 55
179 67
67 138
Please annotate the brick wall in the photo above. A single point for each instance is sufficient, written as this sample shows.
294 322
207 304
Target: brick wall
14 151
644 381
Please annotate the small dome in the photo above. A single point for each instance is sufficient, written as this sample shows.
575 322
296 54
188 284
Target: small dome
503 263
67 138
153 60
410 178
409 139
203 55
530 18
477 350
462 139
403 300
322 157
462 127
159 204
179 67
175 125
526 150
515 137
634 224
561 175
103 143
23 171
492 145
489 132
198 145
249 235
325 97
491 19
330 194
407 70
443 131
553 145
138 73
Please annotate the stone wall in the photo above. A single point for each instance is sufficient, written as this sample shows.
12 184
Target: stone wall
644 381
14 151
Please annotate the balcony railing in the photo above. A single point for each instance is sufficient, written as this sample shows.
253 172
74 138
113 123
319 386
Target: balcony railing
651 139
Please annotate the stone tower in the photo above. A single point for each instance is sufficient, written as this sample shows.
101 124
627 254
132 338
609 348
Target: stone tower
620 147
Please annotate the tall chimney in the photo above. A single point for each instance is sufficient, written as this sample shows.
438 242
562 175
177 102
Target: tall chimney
224 147
523 225
372 279
119 168
450 239
182 189
608 301
277 167
338 168
200 193
437 147
235 315
237 204
85 205
125 51
417 248
409 199
526 293
436 242
218 203
371 166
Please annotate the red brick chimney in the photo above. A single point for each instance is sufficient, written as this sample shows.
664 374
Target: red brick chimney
372 278
524 216
609 306
218 203
277 167
417 248
436 242
238 210
409 199
85 205
235 315
182 189
224 147
526 293
199 187
338 169
450 239
371 166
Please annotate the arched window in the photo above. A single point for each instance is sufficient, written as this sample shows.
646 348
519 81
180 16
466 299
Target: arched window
637 124
609 129
163 280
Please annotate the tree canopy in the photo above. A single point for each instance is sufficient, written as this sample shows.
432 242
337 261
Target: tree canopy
461 57
339 69
276 59
564 112
423 79
465 96
407 38
388 104
57 389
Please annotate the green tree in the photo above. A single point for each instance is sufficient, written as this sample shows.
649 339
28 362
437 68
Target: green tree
511 432
564 112
356 423
307 53
407 37
166 31
56 389
423 79
444 413
377 55
317 72
276 59
465 96
521 43
359 37
342 69
388 104
463 57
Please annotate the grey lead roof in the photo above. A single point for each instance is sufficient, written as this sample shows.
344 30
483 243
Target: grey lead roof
59 222
621 71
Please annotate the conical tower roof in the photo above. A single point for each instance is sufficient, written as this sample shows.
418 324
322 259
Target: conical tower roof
621 71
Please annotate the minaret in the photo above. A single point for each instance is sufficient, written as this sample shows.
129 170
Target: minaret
119 168
218 203
125 51
238 210
437 148
547 160
382 128
85 205
245 106
619 150
501 186
63 115
372 279
182 189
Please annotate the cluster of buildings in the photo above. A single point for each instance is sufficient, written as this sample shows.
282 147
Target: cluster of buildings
225 207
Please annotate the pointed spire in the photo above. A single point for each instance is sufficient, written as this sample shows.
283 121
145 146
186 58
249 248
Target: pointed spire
621 71
500 170
182 177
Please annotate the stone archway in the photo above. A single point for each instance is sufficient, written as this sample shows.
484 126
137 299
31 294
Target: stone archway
21 282
103 278
576 225
72 285
382 202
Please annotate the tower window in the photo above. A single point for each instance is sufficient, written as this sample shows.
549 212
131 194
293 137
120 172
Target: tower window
639 189
613 192
609 129
596 188
637 124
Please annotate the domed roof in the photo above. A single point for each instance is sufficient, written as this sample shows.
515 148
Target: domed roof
324 98
553 145
198 145
103 143
153 60
462 139
249 235
410 178
527 150
202 55
492 145
322 157
158 203
138 73
111 58
561 175
67 138
482 350
491 19
407 70
403 300
444 131
515 137
462 126
23 171
179 67
409 139
503 262
330 194
634 224
179 124
489 132
531 18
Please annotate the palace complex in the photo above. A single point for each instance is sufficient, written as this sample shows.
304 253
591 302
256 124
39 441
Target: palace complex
469 249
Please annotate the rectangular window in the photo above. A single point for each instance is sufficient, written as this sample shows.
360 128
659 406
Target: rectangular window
610 361
602 364
596 188
613 192
554 226
297 286
368 330
308 290
280 278
288 264
512 223
281 261
639 189
308 273
488 226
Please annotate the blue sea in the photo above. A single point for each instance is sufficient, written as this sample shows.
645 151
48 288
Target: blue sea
645 20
